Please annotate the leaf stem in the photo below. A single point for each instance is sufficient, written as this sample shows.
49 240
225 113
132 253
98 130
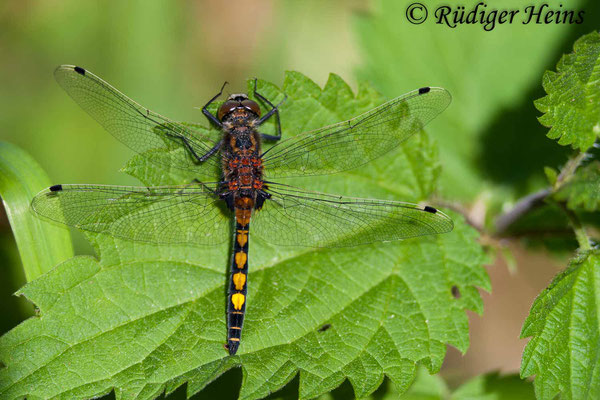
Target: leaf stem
582 238
569 169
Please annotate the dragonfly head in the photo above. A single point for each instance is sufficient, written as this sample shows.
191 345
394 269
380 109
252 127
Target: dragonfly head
235 102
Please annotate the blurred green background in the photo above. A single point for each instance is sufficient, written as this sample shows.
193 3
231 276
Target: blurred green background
172 56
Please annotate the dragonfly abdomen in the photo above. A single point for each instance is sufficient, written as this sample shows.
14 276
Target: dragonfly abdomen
236 305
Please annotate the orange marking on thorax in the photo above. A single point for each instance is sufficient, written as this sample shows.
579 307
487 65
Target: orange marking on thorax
233 185
240 259
246 180
257 184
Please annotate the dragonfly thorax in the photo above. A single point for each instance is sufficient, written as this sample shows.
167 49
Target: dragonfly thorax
241 161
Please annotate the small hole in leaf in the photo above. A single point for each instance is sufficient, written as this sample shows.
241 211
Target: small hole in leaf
455 292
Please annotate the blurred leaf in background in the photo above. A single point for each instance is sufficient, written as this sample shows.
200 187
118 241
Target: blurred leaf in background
490 138
41 245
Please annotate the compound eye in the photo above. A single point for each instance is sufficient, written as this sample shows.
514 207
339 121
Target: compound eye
252 106
226 108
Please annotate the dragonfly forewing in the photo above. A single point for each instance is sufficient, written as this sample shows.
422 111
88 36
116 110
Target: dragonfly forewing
349 144
142 130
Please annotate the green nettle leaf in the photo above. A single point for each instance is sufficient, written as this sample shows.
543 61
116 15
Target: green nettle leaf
144 319
582 191
564 326
572 107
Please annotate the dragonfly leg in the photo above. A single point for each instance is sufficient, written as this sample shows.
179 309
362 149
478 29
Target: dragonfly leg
207 113
274 110
198 182
212 151
189 147
270 137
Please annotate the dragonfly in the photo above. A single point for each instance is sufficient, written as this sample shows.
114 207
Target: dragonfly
209 212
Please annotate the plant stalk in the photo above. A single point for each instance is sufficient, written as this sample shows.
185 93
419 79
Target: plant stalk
582 238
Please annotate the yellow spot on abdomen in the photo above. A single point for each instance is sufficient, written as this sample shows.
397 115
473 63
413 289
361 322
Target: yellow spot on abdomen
242 237
240 259
239 280
238 300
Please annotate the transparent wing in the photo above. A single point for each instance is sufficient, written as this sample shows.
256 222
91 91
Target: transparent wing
297 217
166 215
134 125
357 141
